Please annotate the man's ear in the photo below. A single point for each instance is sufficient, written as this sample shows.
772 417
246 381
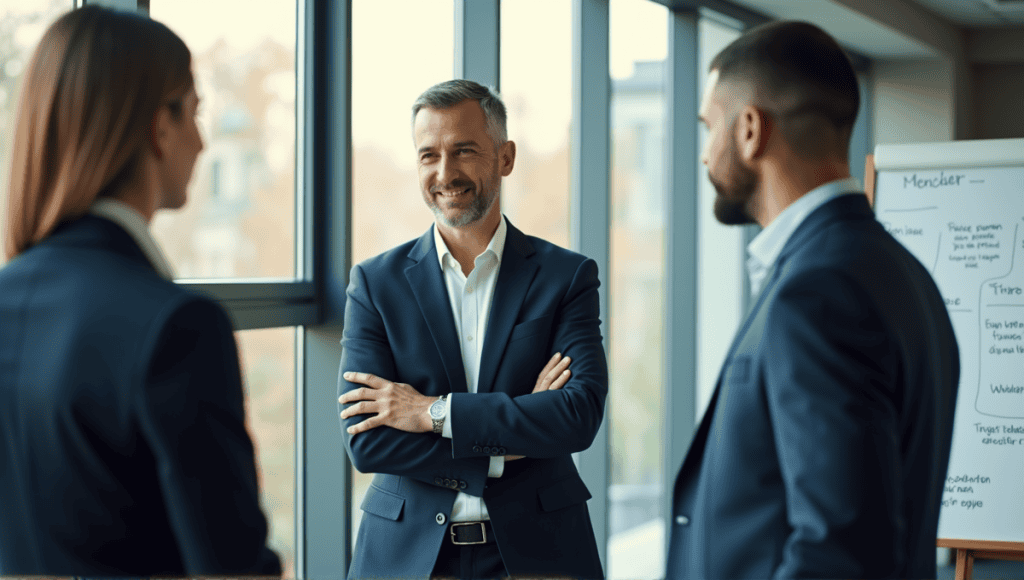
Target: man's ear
753 128
507 157
159 132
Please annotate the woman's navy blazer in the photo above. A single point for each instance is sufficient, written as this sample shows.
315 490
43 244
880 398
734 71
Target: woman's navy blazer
123 445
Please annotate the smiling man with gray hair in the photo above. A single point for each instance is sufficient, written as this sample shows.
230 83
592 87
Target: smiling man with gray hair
455 385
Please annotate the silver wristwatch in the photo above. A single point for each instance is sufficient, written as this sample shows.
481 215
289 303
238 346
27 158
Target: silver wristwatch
438 411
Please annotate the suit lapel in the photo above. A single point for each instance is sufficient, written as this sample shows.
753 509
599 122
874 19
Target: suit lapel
696 449
514 277
846 205
427 284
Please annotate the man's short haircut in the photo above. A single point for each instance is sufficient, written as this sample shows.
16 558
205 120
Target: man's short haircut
799 74
447 94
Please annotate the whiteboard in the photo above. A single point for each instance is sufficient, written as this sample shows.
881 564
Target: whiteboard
959 208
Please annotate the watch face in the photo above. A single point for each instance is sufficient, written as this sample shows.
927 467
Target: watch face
437 410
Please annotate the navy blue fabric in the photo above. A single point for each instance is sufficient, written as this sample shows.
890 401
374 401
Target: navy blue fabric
123 447
399 325
824 449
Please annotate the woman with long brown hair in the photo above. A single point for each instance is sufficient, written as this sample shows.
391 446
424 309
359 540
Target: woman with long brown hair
123 446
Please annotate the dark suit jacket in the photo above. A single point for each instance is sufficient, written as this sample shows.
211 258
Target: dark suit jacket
123 447
823 451
399 325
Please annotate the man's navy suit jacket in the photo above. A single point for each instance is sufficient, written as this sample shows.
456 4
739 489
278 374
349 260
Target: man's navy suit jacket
399 326
823 452
123 447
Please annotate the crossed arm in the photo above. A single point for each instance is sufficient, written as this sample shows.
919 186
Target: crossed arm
546 422
401 406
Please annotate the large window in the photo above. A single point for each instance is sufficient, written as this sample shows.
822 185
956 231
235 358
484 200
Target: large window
638 49
240 218
536 86
22 23
387 207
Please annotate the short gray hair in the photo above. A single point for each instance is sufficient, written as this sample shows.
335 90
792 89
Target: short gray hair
447 94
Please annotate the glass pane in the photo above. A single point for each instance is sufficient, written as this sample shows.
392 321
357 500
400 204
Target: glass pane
22 24
268 370
638 48
721 249
536 85
387 208
240 218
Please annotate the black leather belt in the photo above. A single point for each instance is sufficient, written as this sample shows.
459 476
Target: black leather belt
471 533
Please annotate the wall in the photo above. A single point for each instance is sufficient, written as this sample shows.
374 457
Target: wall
999 94
913 101
998 91
973 95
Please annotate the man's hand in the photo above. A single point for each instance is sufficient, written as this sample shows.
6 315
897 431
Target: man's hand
396 405
552 377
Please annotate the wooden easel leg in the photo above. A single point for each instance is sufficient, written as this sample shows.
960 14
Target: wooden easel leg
964 564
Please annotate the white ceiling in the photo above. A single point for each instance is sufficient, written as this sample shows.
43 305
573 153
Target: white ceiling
977 13
882 35
852 29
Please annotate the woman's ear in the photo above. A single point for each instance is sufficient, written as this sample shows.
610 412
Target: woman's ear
158 132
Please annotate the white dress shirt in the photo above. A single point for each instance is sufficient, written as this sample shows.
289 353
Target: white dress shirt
470 298
765 248
132 221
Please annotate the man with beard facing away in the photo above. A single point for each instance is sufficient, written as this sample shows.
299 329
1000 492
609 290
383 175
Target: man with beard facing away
823 450
440 396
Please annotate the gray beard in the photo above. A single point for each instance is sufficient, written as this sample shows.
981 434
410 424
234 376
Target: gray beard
477 209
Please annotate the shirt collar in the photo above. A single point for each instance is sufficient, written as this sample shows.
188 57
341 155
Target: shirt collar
765 248
495 247
132 222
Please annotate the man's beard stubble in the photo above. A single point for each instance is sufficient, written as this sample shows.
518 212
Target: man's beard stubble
473 210
732 204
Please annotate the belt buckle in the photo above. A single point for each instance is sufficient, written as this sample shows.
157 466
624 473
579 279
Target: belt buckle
483 534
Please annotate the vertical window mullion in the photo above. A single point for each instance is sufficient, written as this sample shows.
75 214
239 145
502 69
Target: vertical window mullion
681 257
324 480
589 206
477 41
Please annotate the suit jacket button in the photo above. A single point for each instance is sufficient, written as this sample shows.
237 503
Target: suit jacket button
682 520
462 485
438 481
447 483
501 451
440 519
487 450
476 449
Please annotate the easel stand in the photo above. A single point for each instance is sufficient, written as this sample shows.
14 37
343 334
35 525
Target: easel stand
967 551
